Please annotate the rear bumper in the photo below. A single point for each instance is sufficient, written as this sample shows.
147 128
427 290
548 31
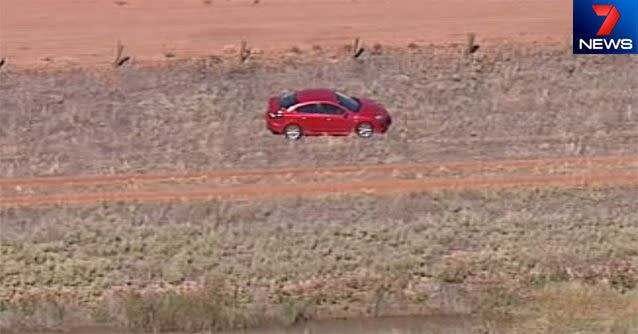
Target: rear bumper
274 126
275 129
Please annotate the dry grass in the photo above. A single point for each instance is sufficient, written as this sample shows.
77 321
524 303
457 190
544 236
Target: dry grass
359 255
560 308
578 308
195 115
212 307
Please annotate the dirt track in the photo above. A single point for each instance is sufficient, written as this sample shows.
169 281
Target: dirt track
211 185
300 171
40 31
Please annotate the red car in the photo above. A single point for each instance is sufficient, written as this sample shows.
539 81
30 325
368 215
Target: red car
324 111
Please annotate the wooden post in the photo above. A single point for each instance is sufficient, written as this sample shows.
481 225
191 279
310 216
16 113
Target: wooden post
357 50
472 47
119 60
244 52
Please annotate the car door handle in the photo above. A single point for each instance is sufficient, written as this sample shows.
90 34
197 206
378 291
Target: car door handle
304 118
328 119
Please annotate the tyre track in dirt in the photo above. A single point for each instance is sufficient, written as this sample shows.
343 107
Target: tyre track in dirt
458 166
291 190
596 171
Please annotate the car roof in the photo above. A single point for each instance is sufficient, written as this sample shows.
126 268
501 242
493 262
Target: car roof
316 94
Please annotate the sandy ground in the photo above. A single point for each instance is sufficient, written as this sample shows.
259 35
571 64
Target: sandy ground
34 32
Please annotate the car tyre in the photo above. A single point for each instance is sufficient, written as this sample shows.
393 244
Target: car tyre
364 130
293 132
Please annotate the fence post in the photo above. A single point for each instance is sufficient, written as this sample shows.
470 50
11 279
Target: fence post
472 47
119 60
357 50
244 52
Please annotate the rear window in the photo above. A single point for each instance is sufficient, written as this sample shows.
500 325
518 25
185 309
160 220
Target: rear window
288 100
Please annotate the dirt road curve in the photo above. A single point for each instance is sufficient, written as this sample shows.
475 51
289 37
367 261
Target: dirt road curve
529 173
43 31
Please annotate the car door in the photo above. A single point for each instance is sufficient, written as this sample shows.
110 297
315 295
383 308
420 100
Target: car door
337 119
312 119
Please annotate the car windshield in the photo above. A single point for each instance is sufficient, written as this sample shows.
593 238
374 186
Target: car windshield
349 102
288 100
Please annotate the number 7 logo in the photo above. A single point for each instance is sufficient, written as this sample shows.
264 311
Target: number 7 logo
612 15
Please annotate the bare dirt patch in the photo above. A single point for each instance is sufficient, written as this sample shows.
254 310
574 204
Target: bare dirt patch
285 184
38 32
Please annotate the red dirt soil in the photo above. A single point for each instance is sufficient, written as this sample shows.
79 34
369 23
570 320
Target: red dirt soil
384 186
387 169
35 32
595 172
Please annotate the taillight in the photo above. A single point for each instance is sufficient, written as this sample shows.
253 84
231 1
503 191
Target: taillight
274 115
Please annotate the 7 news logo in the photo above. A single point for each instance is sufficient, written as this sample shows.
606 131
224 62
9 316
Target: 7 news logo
606 26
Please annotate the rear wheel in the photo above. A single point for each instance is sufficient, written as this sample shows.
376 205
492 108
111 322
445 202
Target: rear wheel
364 130
293 132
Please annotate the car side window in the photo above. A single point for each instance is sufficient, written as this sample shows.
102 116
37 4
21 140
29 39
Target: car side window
330 109
309 109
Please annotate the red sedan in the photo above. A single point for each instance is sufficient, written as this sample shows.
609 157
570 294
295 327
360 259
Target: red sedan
324 111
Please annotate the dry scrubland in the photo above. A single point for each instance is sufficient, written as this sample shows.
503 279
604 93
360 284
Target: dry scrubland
488 253
505 102
524 254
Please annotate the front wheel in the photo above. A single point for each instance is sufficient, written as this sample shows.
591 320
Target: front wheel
364 130
293 132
